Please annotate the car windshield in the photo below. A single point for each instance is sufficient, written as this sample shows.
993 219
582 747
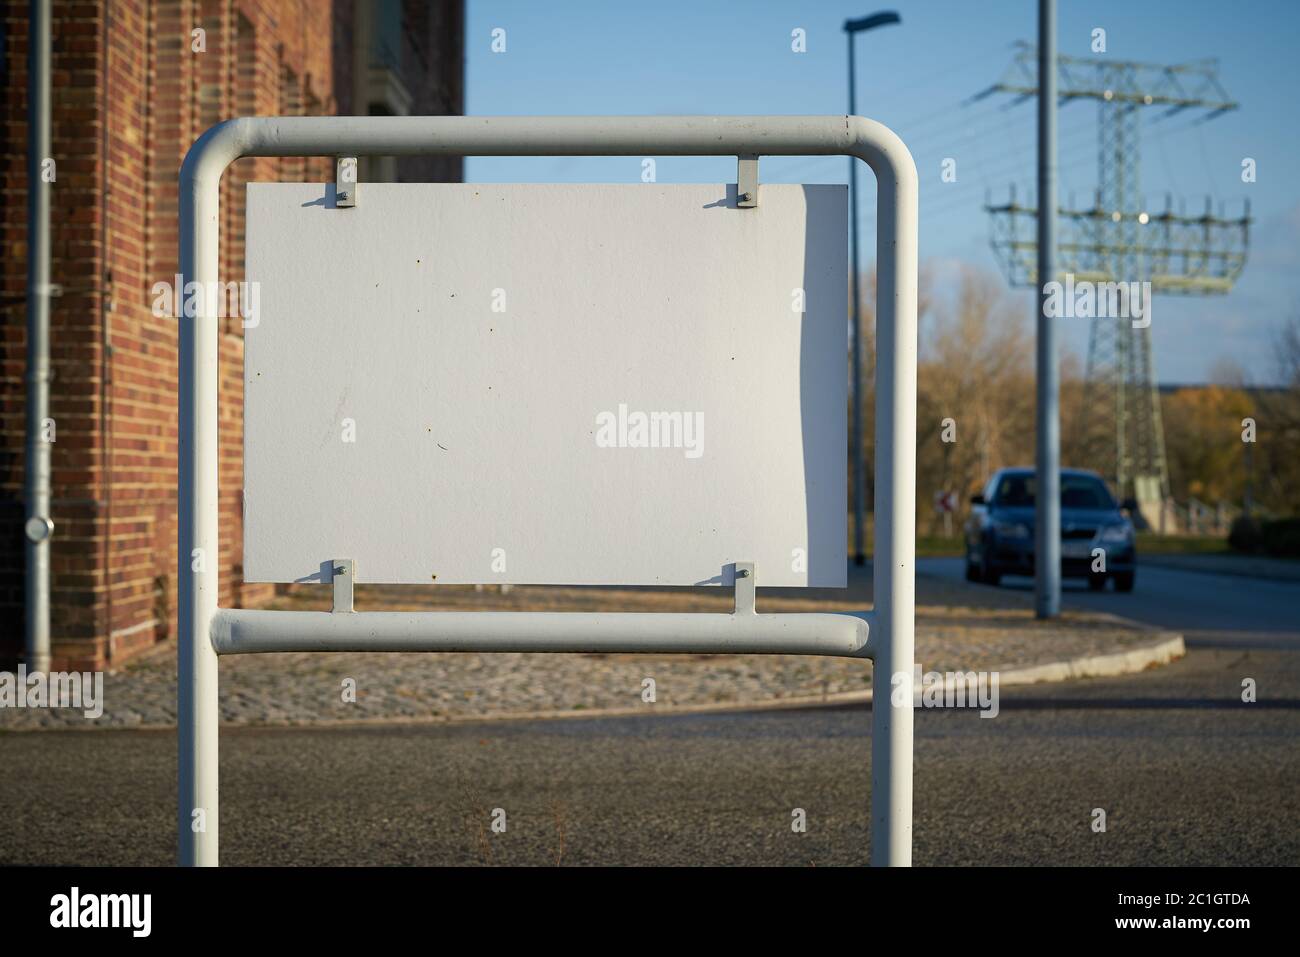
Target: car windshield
1077 491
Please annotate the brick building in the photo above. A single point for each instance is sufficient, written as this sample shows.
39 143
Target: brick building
134 84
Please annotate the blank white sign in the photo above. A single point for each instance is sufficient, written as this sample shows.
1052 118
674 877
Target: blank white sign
546 384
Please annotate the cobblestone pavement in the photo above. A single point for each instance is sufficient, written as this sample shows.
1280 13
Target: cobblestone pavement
961 627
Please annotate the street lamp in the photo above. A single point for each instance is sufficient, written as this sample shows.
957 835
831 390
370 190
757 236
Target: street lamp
1047 388
852 28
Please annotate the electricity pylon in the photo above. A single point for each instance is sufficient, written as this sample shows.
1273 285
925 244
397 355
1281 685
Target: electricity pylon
1119 240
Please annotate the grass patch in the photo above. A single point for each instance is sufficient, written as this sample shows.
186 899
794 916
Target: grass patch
1153 543
937 546
927 546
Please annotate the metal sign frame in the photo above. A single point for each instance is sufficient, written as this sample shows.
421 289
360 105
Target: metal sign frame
884 634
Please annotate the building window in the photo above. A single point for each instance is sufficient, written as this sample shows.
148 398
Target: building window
379 90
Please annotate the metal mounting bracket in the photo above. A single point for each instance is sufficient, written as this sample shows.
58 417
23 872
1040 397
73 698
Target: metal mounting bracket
746 588
345 182
342 572
747 181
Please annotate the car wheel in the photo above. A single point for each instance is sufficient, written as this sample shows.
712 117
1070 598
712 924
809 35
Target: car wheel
988 574
1124 581
972 570
1096 582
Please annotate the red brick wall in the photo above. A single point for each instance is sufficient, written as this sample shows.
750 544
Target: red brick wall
130 96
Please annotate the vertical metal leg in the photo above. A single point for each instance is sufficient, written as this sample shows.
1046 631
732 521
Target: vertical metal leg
197 718
891 755
197 711
894 555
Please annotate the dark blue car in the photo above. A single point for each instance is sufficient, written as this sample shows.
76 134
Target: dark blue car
1000 531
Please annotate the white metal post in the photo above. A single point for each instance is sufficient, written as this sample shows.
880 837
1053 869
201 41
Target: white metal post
204 631
894 553
197 712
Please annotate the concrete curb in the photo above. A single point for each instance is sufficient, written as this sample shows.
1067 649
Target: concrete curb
1167 647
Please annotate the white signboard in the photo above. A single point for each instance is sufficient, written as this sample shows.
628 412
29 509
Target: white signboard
546 384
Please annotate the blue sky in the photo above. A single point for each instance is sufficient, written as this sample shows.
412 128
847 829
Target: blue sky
715 56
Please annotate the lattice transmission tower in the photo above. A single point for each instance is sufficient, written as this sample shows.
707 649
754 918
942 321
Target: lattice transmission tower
1118 239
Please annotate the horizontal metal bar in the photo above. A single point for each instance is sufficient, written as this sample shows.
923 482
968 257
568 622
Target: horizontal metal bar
238 631
866 139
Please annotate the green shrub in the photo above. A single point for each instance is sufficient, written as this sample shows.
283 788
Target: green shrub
1281 537
1245 534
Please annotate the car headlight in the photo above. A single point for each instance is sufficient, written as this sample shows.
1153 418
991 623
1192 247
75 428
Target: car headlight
1011 530
1117 533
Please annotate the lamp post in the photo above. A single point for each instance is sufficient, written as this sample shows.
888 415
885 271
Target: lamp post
1047 453
852 28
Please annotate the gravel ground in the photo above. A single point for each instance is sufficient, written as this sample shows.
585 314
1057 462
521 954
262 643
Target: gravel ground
953 633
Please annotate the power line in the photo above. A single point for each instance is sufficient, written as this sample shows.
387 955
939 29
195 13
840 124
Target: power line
1117 239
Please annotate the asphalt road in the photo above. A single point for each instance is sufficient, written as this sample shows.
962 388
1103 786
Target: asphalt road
1185 772
1210 610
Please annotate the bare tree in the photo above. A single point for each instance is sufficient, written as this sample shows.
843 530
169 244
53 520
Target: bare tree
975 389
1276 459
